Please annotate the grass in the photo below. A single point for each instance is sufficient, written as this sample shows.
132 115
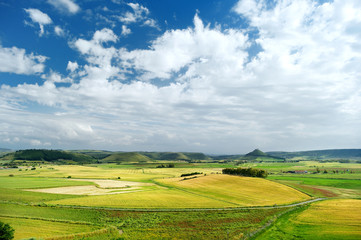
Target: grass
36 182
16 195
319 185
158 198
215 224
242 191
331 219
26 228
96 220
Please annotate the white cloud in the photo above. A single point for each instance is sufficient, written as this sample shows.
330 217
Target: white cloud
59 31
65 5
15 60
39 17
189 48
139 14
105 35
301 91
56 78
72 66
125 30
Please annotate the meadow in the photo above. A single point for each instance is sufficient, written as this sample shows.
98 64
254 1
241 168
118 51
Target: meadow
331 219
159 204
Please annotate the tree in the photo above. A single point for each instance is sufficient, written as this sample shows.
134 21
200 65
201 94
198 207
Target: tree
6 231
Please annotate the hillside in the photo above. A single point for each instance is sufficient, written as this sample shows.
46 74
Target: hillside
320 154
4 151
55 156
258 155
125 157
175 155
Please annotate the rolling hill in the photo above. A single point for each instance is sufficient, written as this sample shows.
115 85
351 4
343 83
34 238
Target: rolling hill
54 156
320 154
122 157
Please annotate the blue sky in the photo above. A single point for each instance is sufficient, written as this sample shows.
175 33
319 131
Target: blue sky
210 76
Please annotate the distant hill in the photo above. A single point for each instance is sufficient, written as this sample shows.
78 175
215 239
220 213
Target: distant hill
256 153
175 156
50 156
4 151
97 154
320 154
125 157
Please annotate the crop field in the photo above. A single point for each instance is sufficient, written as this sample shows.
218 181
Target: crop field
242 191
106 172
143 201
331 219
324 185
211 224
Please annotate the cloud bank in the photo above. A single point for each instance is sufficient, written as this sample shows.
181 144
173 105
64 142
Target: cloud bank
201 89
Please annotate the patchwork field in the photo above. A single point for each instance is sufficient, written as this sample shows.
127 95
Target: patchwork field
141 201
212 224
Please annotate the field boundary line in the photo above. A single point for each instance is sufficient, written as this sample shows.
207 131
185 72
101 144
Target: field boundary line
188 209
53 220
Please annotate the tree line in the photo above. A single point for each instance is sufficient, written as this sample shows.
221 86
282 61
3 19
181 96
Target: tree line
247 172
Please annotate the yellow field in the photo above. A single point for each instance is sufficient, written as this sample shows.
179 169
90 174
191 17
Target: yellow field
160 198
127 174
243 191
214 191
338 218
25 228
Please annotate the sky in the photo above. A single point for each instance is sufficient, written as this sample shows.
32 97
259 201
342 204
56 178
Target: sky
212 76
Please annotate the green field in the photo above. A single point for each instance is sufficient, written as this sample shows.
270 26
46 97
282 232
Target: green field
167 206
332 219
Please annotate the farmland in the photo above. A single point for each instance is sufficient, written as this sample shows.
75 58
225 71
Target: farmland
147 200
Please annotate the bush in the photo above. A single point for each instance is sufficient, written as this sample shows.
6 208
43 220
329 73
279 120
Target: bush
190 174
6 231
247 172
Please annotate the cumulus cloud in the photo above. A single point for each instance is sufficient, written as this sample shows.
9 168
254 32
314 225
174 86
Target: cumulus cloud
125 30
72 66
15 60
301 90
139 13
191 48
40 18
59 31
68 6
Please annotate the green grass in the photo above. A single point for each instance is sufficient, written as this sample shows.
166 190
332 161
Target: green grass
316 181
136 224
16 195
332 219
36 182
26 228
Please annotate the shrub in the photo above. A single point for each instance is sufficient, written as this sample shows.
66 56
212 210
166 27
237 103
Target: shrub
190 174
6 231
247 172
